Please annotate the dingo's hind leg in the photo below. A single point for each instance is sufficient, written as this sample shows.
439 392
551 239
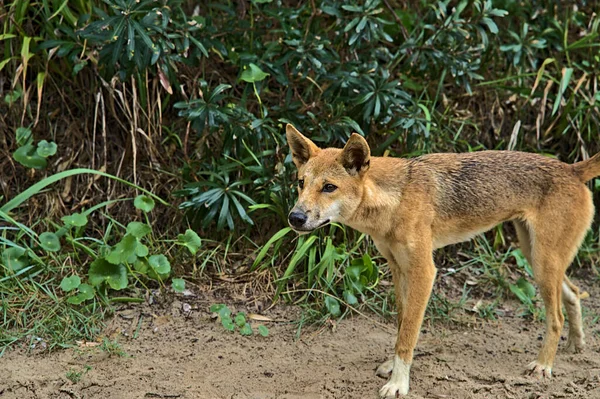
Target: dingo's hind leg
555 234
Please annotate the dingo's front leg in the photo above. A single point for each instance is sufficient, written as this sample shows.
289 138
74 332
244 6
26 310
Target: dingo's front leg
416 276
385 369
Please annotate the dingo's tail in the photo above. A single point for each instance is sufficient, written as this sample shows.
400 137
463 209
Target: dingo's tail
588 169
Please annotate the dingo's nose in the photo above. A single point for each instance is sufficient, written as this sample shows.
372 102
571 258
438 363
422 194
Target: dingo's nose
297 219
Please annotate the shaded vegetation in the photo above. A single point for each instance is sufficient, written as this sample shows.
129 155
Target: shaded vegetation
189 100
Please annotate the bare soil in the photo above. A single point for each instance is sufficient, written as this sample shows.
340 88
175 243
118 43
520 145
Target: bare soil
179 354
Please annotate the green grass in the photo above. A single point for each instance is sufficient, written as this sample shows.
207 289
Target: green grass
444 309
76 376
112 347
32 307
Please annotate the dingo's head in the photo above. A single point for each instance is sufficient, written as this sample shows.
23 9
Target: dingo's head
329 180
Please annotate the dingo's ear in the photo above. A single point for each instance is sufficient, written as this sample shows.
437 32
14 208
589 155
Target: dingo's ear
356 155
302 148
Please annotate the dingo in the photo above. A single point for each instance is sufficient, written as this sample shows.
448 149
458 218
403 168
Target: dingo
410 207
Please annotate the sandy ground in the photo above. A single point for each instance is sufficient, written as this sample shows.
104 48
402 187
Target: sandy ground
189 355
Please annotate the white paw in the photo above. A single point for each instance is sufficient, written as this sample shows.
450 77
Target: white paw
392 390
385 368
398 383
539 371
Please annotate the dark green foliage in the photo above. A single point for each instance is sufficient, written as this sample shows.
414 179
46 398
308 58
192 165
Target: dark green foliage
351 67
135 35
331 68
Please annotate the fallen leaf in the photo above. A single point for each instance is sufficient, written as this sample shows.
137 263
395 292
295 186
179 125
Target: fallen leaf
258 317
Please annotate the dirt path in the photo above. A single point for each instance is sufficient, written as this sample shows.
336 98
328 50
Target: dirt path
190 356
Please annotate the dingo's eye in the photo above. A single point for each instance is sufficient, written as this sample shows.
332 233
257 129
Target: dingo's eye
329 188
301 183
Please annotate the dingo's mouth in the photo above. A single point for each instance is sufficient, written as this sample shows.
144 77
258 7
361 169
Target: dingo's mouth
306 231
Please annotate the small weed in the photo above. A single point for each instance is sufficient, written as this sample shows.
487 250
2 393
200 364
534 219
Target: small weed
524 290
441 308
239 322
486 311
112 347
29 154
76 376
492 264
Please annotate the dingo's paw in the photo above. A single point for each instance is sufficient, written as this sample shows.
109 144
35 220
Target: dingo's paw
393 390
385 369
575 344
398 384
539 371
